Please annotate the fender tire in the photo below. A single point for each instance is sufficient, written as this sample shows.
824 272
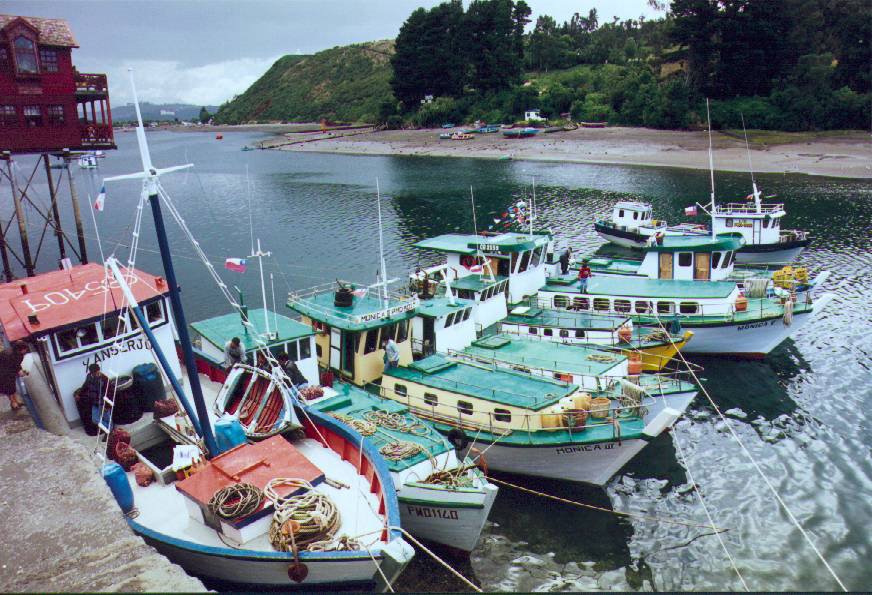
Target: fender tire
458 439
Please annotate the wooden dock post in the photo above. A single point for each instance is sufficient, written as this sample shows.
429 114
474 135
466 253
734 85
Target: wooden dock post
22 223
77 213
55 212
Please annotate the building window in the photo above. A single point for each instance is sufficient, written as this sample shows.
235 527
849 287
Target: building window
32 116
48 60
685 259
431 399
8 116
688 308
25 55
502 415
400 390
464 407
55 115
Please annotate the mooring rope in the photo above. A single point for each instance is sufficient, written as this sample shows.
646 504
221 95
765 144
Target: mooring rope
772 489
236 501
445 564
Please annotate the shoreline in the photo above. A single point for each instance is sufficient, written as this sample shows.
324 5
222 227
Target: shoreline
842 154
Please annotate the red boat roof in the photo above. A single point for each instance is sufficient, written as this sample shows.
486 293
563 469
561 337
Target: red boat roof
256 464
63 298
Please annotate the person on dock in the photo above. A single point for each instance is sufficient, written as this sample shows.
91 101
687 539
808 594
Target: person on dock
293 372
564 260
583 275
234 352
392 353
10 370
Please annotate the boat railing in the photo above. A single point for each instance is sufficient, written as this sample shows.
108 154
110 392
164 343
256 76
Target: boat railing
304 297
747 208
527 364
498 424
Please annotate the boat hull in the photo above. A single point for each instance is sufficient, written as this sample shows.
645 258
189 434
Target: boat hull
627 239
454 518
781 253
655 358
747 339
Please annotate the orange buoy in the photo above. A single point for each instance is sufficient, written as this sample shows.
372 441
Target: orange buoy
741 303
634 364
625 334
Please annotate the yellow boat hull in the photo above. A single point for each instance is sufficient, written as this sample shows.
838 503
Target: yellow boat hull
655 357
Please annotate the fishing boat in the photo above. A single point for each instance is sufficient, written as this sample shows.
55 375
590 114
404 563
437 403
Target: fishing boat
655 347
88 161
348 534
443 499
632 226
594 124
747 319
520 132
487 292
526 424
445 135
461 136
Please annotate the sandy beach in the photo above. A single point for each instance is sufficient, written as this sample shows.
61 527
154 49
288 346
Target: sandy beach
845 154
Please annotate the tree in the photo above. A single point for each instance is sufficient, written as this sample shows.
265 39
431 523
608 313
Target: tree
205 116
696 28
491 50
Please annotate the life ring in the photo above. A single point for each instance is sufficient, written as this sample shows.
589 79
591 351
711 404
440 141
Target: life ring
478 458
458 439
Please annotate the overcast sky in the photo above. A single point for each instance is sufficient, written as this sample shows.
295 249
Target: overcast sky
206 51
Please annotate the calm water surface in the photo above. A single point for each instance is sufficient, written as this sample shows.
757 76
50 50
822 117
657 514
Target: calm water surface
802 413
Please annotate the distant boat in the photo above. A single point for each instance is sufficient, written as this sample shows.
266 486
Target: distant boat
88 161
520 132
445 135
247 148
594 124
219 137
461 136
448 125
489 128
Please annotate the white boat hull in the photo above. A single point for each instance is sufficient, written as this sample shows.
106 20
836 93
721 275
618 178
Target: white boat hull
753 339
448 517
786 256
626 242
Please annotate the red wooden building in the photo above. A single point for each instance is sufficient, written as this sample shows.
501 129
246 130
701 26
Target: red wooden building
45 104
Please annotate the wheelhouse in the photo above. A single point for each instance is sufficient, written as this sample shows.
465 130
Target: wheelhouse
442 324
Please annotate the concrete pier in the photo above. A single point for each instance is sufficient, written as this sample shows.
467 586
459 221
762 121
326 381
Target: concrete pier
61 528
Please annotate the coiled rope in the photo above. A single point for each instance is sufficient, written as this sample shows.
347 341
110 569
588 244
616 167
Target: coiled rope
396 421
601 357
400 449
302 520
363 427
236 501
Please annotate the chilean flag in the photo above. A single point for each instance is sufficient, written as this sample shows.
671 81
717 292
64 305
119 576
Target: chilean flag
101 198
690 211
476 268
237 265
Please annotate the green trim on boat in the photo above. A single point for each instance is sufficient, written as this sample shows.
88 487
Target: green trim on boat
468 244
437 504
220 329
360 316
441 306
699 243
631 428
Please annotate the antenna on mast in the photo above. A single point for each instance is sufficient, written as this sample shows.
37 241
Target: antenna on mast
381 246
711 163
750 167
533 207
479 253
259 255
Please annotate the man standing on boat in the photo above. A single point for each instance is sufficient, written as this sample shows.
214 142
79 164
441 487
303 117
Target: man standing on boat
10 370
293 372
564 260
583 275
234 352
392 354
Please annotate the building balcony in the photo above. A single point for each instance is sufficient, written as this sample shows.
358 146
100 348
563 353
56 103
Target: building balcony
97 136
91 85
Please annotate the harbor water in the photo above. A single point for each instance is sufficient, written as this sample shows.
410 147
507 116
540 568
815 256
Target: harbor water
801 413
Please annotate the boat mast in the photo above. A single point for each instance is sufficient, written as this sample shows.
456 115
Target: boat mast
259 255
149 176
751 168
533 207
479 253
381 247
711 164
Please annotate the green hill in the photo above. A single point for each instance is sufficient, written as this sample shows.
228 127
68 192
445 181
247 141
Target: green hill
343 83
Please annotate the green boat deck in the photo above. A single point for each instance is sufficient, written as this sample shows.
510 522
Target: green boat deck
468 244
364 313
355 403
437 307
641 287
476 282
220 329
503 387
546 355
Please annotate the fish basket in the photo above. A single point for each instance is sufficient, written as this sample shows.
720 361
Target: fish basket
599 407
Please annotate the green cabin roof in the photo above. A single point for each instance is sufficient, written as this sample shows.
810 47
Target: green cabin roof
469 243
356 403
546 355
641 287
440 306
220 329
475 282
566 319
503 387
366 312
699 243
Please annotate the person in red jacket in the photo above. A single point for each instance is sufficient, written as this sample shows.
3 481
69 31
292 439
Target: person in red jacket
583 275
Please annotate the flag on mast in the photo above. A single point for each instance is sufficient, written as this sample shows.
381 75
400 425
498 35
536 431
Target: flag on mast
237 265
690 211
101 198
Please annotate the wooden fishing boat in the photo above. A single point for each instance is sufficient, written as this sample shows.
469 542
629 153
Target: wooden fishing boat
461 136
262 402
442 498
594 124
520 132
524 424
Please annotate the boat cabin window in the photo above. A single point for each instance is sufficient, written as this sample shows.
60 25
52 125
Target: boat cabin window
431 399
466 314
579 333
581 303
154 312
665 307
76 338
502 415
503 267
514 263
635 215
464 407
449 320
548 332
564 333
621 213
533 330
465 294
113 326
400 390
561 301
688 308
643 307
371 341
716 259
402 331
766 221
728 259
622 305
292 351
728 222
538 254
685 259
601 304
525 261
